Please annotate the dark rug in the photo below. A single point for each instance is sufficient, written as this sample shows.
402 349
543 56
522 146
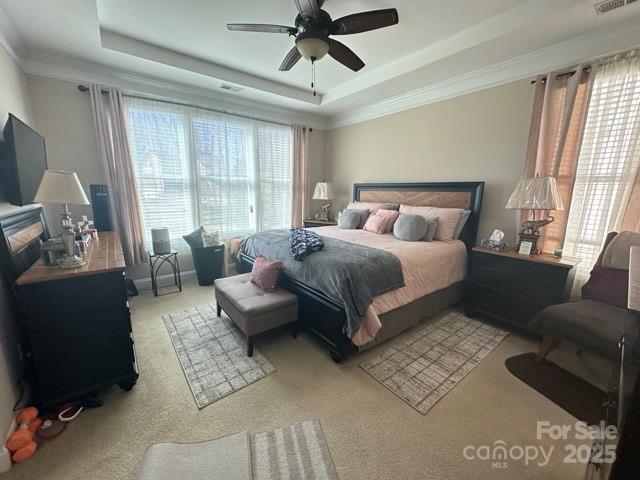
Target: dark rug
570 392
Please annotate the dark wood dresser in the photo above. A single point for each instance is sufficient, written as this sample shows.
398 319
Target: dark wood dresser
310 223
512 288
77 325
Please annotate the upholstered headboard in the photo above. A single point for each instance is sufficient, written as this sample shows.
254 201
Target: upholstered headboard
467 195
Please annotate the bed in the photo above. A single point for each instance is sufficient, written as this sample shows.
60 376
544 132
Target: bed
324 318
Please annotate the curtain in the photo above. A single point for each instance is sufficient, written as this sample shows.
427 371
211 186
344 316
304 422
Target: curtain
300 187
113 148
555 135
607 188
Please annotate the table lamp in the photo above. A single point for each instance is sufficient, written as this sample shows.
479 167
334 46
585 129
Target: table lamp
58 186
323 191
539 193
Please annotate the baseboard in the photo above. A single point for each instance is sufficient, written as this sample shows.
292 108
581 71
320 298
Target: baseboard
5 455
144 284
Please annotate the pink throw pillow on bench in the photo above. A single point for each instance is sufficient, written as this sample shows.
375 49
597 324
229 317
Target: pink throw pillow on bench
265 274
382 221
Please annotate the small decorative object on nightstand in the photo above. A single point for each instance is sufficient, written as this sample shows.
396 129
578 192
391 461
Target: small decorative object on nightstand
310 223
323 191
539 193
156 260
512 288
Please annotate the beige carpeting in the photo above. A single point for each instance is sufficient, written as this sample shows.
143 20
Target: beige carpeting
371 433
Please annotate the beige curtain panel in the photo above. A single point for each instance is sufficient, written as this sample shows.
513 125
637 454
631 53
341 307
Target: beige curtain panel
113 148
557 124
299 177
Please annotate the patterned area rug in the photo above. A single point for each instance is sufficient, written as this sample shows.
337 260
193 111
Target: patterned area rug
426 366
212 353
298 451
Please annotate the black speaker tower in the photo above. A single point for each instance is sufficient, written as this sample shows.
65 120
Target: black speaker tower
101 209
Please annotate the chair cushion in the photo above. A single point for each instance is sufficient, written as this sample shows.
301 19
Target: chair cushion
249 299
590 324
607 285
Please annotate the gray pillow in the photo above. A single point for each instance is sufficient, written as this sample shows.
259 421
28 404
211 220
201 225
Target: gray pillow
432 226
349 220
194 239
364 214
411 228
464 216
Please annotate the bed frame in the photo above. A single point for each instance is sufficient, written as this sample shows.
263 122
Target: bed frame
324 318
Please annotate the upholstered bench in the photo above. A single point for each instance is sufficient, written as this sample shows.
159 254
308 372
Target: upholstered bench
252 309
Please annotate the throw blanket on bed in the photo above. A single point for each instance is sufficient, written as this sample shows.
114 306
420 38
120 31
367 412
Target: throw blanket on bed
303 242
347 273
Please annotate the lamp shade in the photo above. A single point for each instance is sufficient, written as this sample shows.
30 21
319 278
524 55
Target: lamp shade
58 186
539 193
323 191
634 279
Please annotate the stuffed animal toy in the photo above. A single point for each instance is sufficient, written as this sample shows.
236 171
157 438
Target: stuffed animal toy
21 443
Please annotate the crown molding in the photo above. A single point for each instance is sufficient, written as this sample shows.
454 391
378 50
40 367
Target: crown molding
10 39
586 47
62 68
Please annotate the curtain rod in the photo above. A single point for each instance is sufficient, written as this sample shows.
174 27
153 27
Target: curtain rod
563 74
84 88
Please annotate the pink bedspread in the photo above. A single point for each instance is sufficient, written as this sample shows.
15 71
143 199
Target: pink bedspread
427 267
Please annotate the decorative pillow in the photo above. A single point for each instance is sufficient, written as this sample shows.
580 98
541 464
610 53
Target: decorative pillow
265 274
350 219
447 219
372 206
464 216
432 226
210 239
194 239
382 221
411 228
607 285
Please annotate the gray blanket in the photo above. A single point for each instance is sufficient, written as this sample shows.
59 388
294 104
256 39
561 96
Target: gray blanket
347 273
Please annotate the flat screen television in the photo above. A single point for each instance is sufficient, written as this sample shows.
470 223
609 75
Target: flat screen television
24 160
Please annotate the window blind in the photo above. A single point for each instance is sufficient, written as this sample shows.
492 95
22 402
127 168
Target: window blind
230 174
608 160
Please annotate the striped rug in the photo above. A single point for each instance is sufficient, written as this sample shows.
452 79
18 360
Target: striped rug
296 452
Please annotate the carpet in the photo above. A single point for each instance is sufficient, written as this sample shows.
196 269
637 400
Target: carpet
570 392
298 451
424 367
212 354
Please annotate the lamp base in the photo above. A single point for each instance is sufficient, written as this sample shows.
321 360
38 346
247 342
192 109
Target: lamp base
71 262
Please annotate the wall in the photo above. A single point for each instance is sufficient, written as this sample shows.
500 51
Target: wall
479 136
14 99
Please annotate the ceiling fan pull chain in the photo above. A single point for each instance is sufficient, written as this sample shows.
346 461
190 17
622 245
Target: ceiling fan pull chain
313 76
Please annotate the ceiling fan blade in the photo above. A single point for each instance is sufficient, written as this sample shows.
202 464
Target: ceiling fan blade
365 21
259 27
308 8
343 54
290 60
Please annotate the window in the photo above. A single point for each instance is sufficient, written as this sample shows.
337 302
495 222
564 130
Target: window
608 160
198 167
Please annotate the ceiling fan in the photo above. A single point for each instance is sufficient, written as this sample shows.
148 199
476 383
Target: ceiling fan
314 26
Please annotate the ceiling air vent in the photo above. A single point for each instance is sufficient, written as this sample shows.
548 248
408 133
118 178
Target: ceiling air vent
231 88
608 5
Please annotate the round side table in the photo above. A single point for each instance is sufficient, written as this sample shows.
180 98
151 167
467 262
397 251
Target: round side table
156 260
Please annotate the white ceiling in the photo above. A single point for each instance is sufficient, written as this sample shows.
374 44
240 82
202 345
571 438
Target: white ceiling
438 49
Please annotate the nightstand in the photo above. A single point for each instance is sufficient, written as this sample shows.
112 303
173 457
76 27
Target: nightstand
309 223
512 288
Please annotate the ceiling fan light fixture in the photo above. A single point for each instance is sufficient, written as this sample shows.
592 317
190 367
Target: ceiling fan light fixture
312 47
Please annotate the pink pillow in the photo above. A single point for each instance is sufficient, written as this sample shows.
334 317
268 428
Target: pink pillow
448 219
265 274
382 221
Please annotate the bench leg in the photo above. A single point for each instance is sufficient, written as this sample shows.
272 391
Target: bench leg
250 346
218 309
294 329
547 344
